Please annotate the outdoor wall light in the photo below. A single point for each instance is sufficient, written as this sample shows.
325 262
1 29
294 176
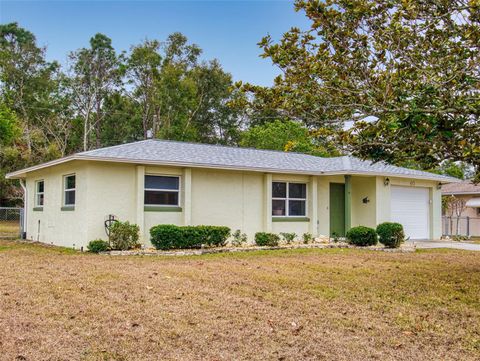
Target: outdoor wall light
439 185
386 182
365 200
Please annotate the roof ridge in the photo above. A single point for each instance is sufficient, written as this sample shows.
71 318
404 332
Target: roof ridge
111 146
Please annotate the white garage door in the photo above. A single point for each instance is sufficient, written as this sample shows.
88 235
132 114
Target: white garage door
410 207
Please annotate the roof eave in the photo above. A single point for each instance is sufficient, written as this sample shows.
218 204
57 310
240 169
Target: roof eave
22 173
434 178
447 193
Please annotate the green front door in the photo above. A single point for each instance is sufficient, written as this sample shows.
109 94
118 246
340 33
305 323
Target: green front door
337 210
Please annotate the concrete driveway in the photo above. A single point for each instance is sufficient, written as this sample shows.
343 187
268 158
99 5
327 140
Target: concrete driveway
426 244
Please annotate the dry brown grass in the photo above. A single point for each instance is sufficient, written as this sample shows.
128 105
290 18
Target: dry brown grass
279 305
9 228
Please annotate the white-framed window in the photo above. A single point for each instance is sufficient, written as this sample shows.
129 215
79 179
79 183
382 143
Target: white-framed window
69 190
39 193
162 190
289 199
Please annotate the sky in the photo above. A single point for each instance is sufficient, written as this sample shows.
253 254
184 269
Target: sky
226 30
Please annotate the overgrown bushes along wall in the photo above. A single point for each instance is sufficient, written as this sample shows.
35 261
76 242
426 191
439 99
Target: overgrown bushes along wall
169 236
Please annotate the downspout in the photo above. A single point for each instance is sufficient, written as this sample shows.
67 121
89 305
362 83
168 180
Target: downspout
23 184
348 203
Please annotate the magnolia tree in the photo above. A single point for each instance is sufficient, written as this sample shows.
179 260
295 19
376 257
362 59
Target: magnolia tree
406 72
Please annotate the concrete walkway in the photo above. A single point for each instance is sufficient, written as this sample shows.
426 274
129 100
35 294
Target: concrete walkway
426 244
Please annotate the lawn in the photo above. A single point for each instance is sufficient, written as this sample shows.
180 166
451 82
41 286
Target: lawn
339 304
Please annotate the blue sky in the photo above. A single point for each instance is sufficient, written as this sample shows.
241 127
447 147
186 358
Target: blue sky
226 30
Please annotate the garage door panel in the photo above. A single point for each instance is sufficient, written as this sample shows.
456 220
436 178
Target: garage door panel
410 206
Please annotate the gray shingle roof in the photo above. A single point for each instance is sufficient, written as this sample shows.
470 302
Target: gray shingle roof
216 156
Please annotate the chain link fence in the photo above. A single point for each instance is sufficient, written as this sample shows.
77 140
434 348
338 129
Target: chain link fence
461 226
11 222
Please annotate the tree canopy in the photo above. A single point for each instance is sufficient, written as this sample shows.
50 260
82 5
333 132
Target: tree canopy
407 73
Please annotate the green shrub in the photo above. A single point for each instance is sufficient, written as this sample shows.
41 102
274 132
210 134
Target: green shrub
335 237
267 239
307 238
123 235
362 236
169 236
391 234
97 245
288 237
238 238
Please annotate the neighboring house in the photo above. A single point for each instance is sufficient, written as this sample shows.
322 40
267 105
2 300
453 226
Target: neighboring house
469 207
166 182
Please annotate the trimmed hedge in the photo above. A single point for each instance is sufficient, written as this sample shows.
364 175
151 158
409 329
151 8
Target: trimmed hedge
362 236
391 234
169 236
97 245
267 239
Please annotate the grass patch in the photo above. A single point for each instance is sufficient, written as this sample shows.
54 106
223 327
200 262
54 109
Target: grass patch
346 304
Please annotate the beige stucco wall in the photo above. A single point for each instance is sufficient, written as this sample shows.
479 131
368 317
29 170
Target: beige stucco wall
364 214
239 200
228 198
111 190
52 225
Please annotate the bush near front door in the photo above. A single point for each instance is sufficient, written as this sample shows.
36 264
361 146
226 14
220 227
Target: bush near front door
391 234
362 236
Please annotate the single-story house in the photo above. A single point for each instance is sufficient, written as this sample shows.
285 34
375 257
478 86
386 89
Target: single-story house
155 182
469 223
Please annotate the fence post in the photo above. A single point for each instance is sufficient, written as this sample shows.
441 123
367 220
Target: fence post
22 223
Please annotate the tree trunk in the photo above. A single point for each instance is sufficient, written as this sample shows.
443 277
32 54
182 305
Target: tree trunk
85 133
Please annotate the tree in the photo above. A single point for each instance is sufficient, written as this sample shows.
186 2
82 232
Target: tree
288 136
122 122
95 74
407 73
454 169
26 81
28 84
144 67
9 127
214 120
179 97
454 206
